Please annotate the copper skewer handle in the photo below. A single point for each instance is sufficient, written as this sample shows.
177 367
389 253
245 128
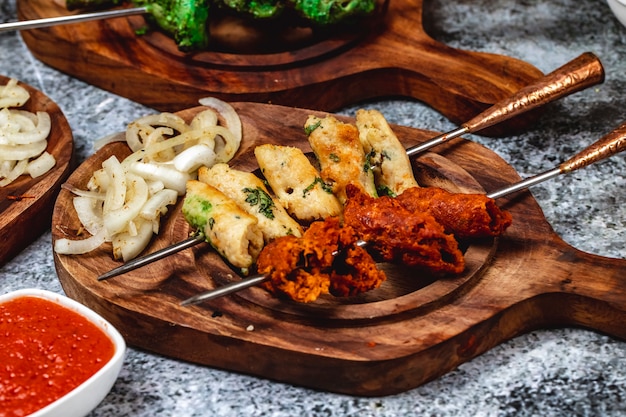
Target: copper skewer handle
578 74
611 144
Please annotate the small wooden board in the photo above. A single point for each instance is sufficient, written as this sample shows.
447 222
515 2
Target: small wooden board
26 204
393 56
409 331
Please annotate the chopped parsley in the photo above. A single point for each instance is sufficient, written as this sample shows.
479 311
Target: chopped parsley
334 157
385 190
258 197
318 180
310 128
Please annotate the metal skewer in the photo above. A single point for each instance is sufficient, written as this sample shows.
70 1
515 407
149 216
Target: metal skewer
65 20
611 144
153 257
583 71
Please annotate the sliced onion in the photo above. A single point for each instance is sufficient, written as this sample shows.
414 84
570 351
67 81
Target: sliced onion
116 192
13 95
99 181
89 211
155 186
78 247
156 206
193 158
206 118
233 124
232 119
44 163
116 221
24 137
19 152
83 193
18 169
127 247
113 137
168 175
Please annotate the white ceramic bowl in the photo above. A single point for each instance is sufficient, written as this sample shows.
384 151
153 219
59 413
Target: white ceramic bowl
618 7
85 397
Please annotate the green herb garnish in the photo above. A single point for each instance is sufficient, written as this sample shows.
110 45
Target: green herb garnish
258 197
326 187
310 128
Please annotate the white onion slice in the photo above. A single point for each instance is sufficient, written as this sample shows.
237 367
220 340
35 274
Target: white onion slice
13 95
78 247
127 247
116 221
44 163
233 124
194 157
89 213
24 137
116 192
156 206
19 152
206 118
113 137
127 199
168 175
18 169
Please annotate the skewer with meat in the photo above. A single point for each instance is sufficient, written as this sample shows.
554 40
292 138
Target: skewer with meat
414 239
326 259
463 215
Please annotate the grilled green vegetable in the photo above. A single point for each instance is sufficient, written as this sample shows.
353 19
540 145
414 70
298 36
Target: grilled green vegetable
325 12
186 21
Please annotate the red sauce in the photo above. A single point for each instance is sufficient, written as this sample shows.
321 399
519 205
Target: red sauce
46 350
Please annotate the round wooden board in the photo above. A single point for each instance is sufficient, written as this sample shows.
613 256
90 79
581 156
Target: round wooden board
393 56
409 331
26 204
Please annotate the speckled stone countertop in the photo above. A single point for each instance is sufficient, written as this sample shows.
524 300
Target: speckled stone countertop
552 372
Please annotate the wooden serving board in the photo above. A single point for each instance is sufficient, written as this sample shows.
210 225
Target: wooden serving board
411 330
26 204
392 56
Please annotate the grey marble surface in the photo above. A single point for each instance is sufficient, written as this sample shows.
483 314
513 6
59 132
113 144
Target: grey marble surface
557 372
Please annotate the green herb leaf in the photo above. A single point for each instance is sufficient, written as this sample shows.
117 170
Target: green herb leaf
310 128
326 187
258 197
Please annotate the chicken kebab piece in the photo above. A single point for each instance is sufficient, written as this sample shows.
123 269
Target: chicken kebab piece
187 21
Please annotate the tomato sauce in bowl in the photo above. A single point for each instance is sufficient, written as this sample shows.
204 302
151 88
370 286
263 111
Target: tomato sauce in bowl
47 350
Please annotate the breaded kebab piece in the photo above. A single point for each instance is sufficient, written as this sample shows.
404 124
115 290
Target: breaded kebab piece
297 184
233 233
387 157
341 155
250 194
